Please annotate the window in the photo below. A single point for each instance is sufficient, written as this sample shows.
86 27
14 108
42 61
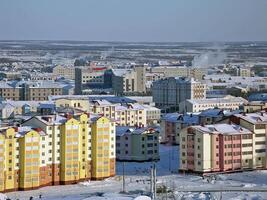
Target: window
260 126
260 150
150 137
150 145
150 152
260 135
260 143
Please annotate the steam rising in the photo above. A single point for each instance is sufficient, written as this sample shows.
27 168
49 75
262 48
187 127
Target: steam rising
106 54
209 58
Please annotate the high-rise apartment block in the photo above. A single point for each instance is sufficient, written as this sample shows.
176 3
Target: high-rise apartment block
240 144
54 149
169 92
87 78
127 81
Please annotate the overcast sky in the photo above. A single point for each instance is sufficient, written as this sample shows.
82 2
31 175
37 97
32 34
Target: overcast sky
134 20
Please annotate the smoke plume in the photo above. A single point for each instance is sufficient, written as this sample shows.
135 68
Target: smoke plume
217 56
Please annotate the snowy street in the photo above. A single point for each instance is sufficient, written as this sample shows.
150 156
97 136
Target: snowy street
137 183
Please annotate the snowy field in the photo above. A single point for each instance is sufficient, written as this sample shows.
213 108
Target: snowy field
137 183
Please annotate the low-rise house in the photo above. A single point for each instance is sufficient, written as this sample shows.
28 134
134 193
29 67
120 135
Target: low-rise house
137 144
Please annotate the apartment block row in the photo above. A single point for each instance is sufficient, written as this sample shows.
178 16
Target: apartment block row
54 149
33 90
240 144
124 113
173 123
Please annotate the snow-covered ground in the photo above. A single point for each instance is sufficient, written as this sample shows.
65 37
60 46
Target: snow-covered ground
137 183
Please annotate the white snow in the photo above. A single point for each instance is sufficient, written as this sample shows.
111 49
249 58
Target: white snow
3 197
138 183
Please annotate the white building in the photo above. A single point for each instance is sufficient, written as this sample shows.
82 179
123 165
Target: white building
198 105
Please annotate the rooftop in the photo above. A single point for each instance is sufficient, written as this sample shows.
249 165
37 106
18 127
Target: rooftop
254 118
127 130
226 99
226 129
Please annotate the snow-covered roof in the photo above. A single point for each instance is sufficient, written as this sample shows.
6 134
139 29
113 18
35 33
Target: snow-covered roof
121 72
187 118
227 129
30 103
52 119
150 108
254 118
218 112
127 130
218 100
102 102
130 106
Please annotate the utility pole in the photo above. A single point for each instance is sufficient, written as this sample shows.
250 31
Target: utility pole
151 182
123 177
154 194
169 160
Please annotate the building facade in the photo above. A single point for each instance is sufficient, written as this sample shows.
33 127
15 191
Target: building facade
198 105
170 92
137 144
67 72
53 149
128 81
236 146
